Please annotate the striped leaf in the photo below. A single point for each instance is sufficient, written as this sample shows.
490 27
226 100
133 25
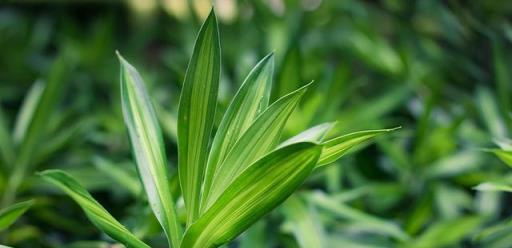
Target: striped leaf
10 214
313 134
250 100
334 149
261 137
259 189
94 211
196 113
148 149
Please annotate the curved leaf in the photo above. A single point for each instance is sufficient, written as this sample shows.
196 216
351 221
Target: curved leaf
259 189
94 211
337 147
261 137
250 100
314 134
148 149
196 113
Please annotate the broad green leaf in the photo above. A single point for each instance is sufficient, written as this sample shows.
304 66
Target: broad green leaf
259 189
250 100
304 223
10 214
313 134
197 112
261 137
148 149
337 147
27 111
6 143
94 211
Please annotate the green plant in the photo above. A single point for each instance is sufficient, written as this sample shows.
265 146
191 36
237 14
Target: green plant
228 185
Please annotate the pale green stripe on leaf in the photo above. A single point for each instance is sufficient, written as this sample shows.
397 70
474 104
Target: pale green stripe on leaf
261 137
94 211
314 134
259 189
196 114
11 213
355 216
337 147
250 100
148 149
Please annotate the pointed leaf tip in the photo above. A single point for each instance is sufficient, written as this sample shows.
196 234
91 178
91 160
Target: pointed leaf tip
148 148
337 147
196 113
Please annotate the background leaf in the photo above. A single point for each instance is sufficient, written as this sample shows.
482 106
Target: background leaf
94 211
10 214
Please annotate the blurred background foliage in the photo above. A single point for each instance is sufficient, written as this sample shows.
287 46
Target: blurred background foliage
439 69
